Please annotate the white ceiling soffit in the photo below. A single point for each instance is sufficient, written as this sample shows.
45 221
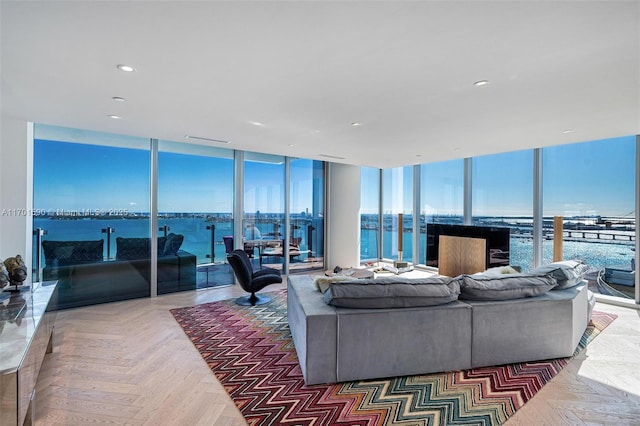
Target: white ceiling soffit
380 84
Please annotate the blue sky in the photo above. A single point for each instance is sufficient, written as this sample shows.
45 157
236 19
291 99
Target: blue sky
75 176
95 177
578 179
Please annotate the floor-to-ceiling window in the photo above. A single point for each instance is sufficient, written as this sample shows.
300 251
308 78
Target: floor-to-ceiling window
369 213
590 188
306 214
264 213
397 219
502 196
195 202
441 198
91 199
96 196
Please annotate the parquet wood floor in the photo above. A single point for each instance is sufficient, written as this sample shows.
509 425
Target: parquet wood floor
129 363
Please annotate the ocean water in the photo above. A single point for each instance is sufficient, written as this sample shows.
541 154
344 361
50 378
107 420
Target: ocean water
596 255
197 240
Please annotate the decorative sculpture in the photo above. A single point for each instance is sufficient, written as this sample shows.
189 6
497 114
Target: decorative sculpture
4 275
17 270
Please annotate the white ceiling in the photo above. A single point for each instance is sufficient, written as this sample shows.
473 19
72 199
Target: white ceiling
307 70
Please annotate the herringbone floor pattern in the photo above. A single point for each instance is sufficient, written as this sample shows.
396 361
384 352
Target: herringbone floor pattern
130 363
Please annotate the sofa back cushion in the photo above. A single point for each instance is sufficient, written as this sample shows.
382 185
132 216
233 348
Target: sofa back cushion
61 253
132 248
504 287
140 248
393 292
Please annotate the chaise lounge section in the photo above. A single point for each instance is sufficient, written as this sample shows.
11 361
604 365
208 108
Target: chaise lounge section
336 344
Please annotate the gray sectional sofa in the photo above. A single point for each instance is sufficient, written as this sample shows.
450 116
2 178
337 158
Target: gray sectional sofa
336 344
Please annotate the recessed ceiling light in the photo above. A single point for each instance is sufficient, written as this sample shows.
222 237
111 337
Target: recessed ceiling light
481 83
257 123
119 99
291 144
115 117
206 139
356 123
568 131
126 68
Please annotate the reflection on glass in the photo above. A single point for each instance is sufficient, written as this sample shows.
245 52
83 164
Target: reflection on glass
195 205
591 186
397 197
306 215
369 213
264 209
503 197
91 204
441 197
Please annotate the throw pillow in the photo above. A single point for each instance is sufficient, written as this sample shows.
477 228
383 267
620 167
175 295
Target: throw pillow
568 273
499 270
504 287
161 243
322 283
172 244
88 252
392 292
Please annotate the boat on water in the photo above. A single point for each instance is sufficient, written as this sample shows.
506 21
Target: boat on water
617 282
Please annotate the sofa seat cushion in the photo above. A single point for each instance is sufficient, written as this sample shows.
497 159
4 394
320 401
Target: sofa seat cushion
568 273
392 292
504 287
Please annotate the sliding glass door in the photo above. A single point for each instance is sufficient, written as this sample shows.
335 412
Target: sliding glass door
503 198
263 220
306 229
195 205
91 215
589 188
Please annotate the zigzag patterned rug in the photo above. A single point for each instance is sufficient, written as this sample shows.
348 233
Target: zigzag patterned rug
250 351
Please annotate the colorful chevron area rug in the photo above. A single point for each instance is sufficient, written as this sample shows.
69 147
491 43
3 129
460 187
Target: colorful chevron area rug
250 351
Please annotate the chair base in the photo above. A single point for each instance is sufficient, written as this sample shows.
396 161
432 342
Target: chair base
252 300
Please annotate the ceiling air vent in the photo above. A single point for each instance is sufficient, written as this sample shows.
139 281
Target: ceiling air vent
205 139
331 156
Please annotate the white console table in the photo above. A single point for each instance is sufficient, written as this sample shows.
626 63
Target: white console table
27 318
